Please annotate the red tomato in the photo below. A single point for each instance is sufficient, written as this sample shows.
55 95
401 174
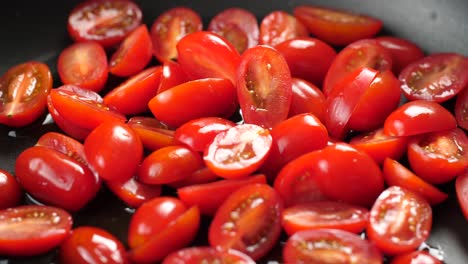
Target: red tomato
396 174
63 144
195 99
325 214
169 164
279 26
133 54
106 21
56 178
92 245
418 117
10 190
169 28
403 51
461 187
83 64
153 134
307 98
437 77
362 53
114 150
200 176
264 86
329 246
199 133
133 192
337 172
337 27
307 58
195 255
132 96
172 75
461 109
248 221
23 93
239 26
415 257
30 230
439 157
400 220
238 151
202 196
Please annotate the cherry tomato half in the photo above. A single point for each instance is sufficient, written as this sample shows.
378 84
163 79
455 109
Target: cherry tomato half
134 193
10 190
415 257
307 98
461 109
461 187
279 26
194 255
153 134
403 51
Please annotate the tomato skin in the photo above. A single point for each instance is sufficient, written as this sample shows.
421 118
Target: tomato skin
256 229
403 51
329 246
200 176
63 144
261 67
104 21
92 245
172 75
36 228
439 157
307 98
23 93
418 117
200 98
415 257
10 190
461 106
153 134
279 26
400 220
461 188
307 58
134 193
55 178
117 157
195 255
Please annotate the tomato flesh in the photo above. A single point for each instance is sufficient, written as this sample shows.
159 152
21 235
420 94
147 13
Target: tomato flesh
195 255
279 26
461 188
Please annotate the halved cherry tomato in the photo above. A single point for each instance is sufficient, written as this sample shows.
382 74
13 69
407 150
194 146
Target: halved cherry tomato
153 134
439 157
105 21
307 58
329 246
437 77
418 117
461 188
171 26
132 96
10 190
248 220
195 99
239 26
200 176
202 196
400 220
195 255
264 86
337 27
396 174
23 93
92 245
172 75
83 64
461 109
133 54
30 230
133 192
279 26
415 257
403 51
324 214
63 144
307 98
238 151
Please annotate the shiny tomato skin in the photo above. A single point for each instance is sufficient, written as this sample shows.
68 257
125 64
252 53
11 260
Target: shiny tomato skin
88 244
461 109
418 117
248 221
403 51
55 178
439 157
337 27
200 176
169 164
415 257
196 255
63 144
153 134
171 26
199 133
114 150
307 98
437 77
396 174
279 26
194 99
133 54
329 246
23 93
264 87
172 75
461 188
325 214
400 220
308 58
134 193
36 228
11 193
132 96
107 22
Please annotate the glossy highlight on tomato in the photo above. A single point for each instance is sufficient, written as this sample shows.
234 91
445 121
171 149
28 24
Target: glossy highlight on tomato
10 190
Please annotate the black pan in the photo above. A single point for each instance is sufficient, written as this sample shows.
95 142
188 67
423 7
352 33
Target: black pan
35 30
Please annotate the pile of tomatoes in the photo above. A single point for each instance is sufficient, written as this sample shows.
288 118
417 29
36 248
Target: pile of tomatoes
303 126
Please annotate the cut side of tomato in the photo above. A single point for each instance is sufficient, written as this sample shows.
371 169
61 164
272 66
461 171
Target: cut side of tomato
461 109
207 255
279 26
461 188
415 257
